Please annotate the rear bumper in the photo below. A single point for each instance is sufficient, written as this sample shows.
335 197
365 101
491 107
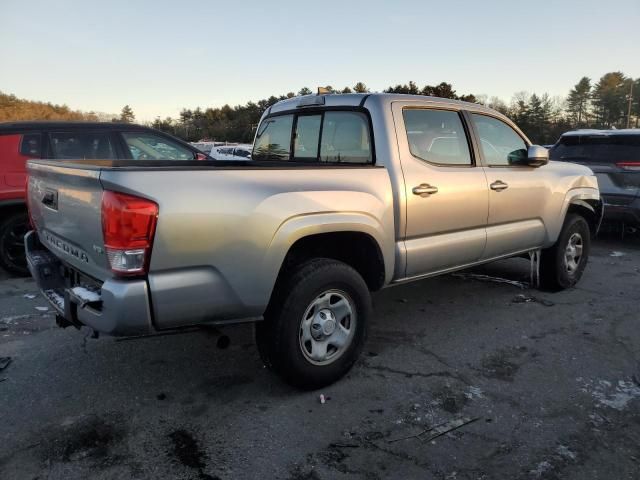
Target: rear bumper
629 213
116 307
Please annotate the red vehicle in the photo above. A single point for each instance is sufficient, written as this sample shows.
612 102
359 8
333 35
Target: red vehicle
21 141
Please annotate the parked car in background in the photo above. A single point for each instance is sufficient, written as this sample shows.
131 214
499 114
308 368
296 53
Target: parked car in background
232 152
205 147
614 156
21 141
344 195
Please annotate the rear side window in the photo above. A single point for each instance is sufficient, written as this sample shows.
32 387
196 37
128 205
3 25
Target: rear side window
500 144
597 148
81 145
31 145
147 146
326 137
437 136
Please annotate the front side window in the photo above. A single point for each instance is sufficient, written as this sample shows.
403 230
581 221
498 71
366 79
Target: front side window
273 139
82 145
147 146
437 136
501 145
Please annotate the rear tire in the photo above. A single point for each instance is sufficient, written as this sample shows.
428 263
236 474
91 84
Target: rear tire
562 265
316 323
12 254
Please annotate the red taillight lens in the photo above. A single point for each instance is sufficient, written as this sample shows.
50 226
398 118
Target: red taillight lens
629 165
128 227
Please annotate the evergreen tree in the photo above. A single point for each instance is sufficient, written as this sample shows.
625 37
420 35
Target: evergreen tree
360 88
578 101
610 99
126 114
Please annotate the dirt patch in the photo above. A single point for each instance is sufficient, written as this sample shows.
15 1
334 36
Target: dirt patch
503 364
186 450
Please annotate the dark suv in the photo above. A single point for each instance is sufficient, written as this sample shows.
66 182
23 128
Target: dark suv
614 156
21 141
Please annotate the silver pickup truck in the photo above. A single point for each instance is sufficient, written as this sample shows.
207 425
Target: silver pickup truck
344 195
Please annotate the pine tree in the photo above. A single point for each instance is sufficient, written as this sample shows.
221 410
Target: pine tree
579 99
126 115
360 88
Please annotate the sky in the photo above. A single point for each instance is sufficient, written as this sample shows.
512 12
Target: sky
161 56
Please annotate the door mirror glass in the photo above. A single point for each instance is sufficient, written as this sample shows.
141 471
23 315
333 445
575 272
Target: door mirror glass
537 156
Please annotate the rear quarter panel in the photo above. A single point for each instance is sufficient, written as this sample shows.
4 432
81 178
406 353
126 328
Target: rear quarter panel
236 225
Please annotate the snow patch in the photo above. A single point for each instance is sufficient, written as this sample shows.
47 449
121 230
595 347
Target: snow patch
86 295
608 394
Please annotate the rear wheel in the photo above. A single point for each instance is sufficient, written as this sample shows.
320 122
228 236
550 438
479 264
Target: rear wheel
315 327
12 254
562 265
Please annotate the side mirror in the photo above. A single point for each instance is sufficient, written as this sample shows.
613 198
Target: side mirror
537 156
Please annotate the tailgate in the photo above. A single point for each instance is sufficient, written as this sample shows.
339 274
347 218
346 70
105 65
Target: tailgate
65 202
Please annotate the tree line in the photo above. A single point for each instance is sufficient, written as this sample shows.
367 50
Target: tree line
611 102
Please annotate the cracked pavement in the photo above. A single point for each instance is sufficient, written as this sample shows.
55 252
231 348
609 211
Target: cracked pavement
552 379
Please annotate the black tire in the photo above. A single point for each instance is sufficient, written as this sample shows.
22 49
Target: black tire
12 254
555 271
279 336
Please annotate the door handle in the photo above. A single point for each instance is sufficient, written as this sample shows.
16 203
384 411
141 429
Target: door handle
424 190
498 186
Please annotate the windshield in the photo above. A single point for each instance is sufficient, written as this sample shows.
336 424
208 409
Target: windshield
597 148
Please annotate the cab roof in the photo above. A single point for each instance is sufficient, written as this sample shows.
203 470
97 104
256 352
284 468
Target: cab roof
360 99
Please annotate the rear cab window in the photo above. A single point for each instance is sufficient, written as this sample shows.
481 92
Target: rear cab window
597 149
321 137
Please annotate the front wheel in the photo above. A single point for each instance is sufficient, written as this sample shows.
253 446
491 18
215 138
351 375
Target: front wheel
315 326
562 265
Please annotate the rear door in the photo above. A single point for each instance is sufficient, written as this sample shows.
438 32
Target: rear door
446 191
15 150
614 158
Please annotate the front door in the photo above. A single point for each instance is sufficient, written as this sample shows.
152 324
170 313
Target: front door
446 193
517 192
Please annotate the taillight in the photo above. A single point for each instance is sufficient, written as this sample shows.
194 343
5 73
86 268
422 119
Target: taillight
128 227
629 165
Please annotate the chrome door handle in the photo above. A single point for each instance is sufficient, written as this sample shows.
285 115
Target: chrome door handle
498 186
424 189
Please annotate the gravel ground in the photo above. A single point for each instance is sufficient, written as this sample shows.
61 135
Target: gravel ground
550 384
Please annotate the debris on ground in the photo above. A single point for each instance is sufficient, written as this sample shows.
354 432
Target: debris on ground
4 362
617 254
30 296
489 278
42 309
522 298
438 430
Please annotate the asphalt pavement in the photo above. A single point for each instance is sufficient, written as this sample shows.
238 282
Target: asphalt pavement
462 377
